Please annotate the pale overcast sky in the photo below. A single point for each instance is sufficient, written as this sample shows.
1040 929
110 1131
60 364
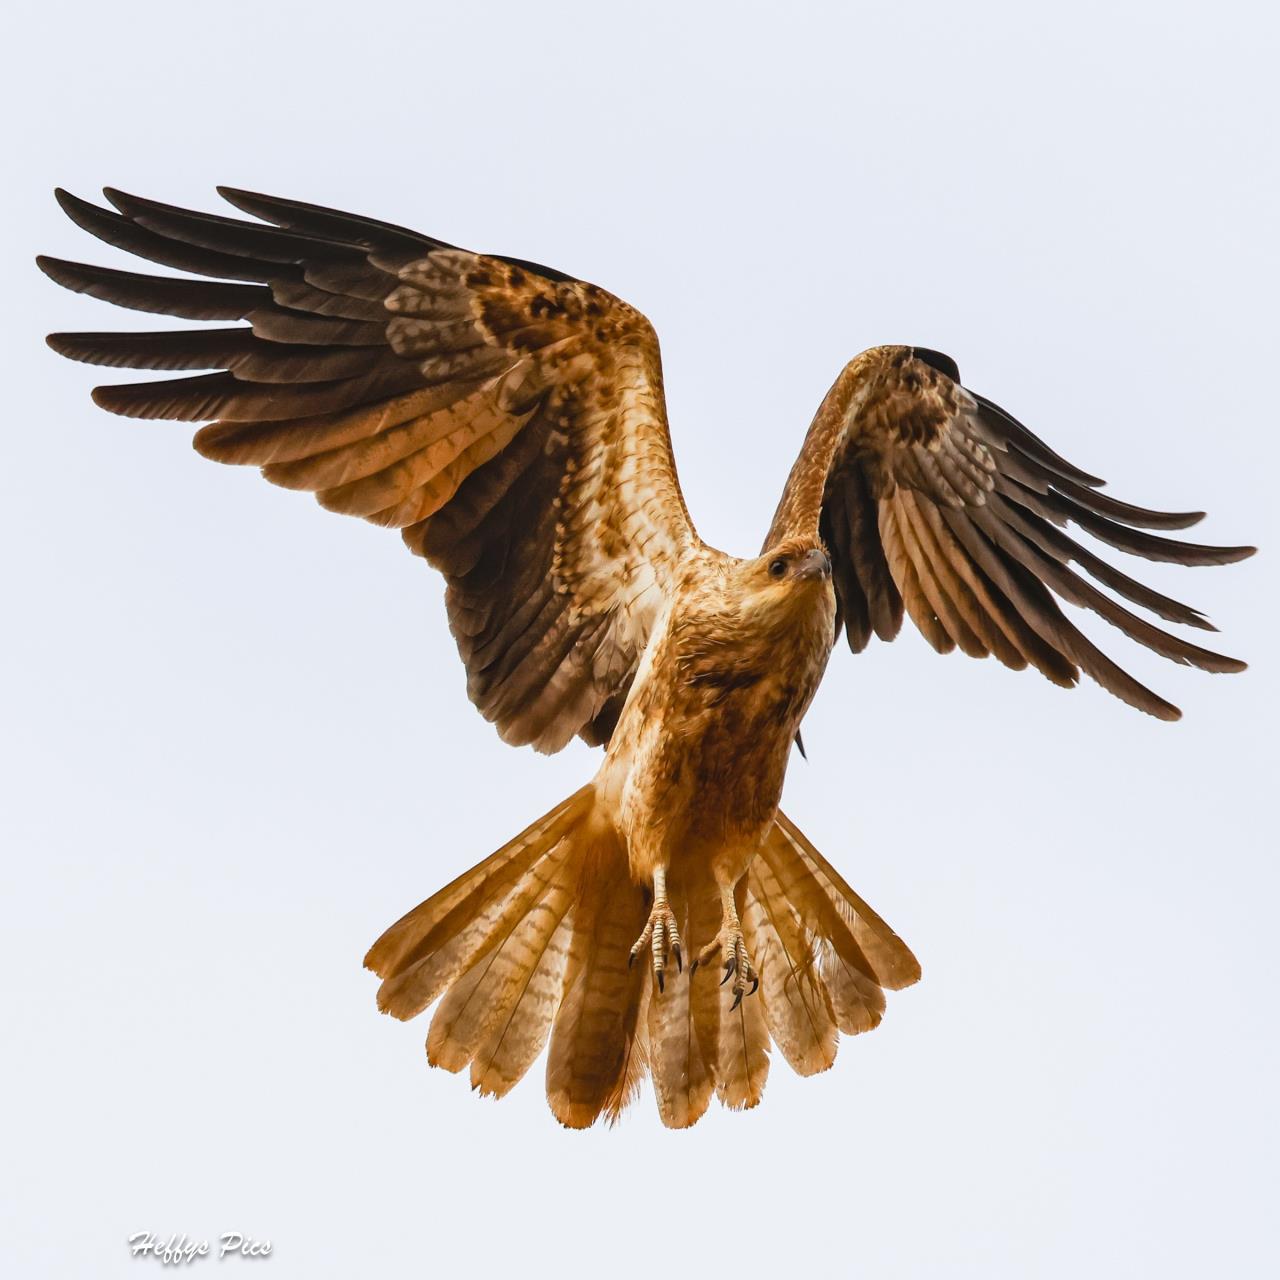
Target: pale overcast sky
237 738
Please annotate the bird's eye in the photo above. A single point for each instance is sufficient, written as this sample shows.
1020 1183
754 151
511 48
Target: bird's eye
778 568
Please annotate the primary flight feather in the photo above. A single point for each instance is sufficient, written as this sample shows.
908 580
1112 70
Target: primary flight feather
667 919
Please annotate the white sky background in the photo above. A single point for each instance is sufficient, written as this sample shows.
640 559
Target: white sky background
237 739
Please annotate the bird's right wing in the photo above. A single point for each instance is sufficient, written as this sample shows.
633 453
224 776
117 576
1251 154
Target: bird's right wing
507 418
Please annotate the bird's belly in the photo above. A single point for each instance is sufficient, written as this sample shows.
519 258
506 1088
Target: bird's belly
702 781
738 757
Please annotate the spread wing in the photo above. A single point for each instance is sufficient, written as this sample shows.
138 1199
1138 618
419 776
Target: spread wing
935 501
506 418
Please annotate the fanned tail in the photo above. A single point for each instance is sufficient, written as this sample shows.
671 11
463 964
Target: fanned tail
533 943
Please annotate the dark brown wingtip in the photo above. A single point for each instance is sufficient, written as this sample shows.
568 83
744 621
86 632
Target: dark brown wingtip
1227 666
246 201
119 199
1226 555
102 397
76 276
64 344
88 217
75 207
121 399
136 207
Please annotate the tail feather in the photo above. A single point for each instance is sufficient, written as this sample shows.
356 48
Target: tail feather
890 958
857 1002
534 943
594 1059
511 1049
442 915
742 1061
485 997
708 1002
684 1078
797 1005
856 999
743 1065
409 992
635 1061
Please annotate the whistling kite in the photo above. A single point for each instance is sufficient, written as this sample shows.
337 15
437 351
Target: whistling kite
509 420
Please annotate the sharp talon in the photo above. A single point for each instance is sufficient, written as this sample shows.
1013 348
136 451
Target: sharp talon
737 1000
728 972
693 968
659 937
754 985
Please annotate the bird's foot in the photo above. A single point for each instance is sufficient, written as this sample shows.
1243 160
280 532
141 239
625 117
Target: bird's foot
730 943
662 937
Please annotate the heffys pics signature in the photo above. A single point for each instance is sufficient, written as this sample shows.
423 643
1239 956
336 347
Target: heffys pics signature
175 1250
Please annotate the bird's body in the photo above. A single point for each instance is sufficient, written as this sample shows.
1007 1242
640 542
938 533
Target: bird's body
696 764
509 420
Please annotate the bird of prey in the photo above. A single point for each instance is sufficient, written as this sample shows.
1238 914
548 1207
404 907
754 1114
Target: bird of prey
508 419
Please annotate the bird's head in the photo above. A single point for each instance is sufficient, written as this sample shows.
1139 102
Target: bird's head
793 575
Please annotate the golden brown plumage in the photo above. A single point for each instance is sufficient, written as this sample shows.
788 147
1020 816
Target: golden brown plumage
510 421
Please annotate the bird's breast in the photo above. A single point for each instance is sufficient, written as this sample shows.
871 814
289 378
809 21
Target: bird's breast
703 743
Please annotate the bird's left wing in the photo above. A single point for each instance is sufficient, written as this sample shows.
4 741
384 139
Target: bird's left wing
507 418
933 499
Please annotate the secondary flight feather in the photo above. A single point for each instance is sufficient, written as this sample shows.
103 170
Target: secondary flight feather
508 419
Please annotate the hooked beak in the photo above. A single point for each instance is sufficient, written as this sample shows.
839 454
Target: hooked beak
813 564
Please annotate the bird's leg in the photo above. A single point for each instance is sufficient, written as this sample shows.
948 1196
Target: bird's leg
733 946
660 933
